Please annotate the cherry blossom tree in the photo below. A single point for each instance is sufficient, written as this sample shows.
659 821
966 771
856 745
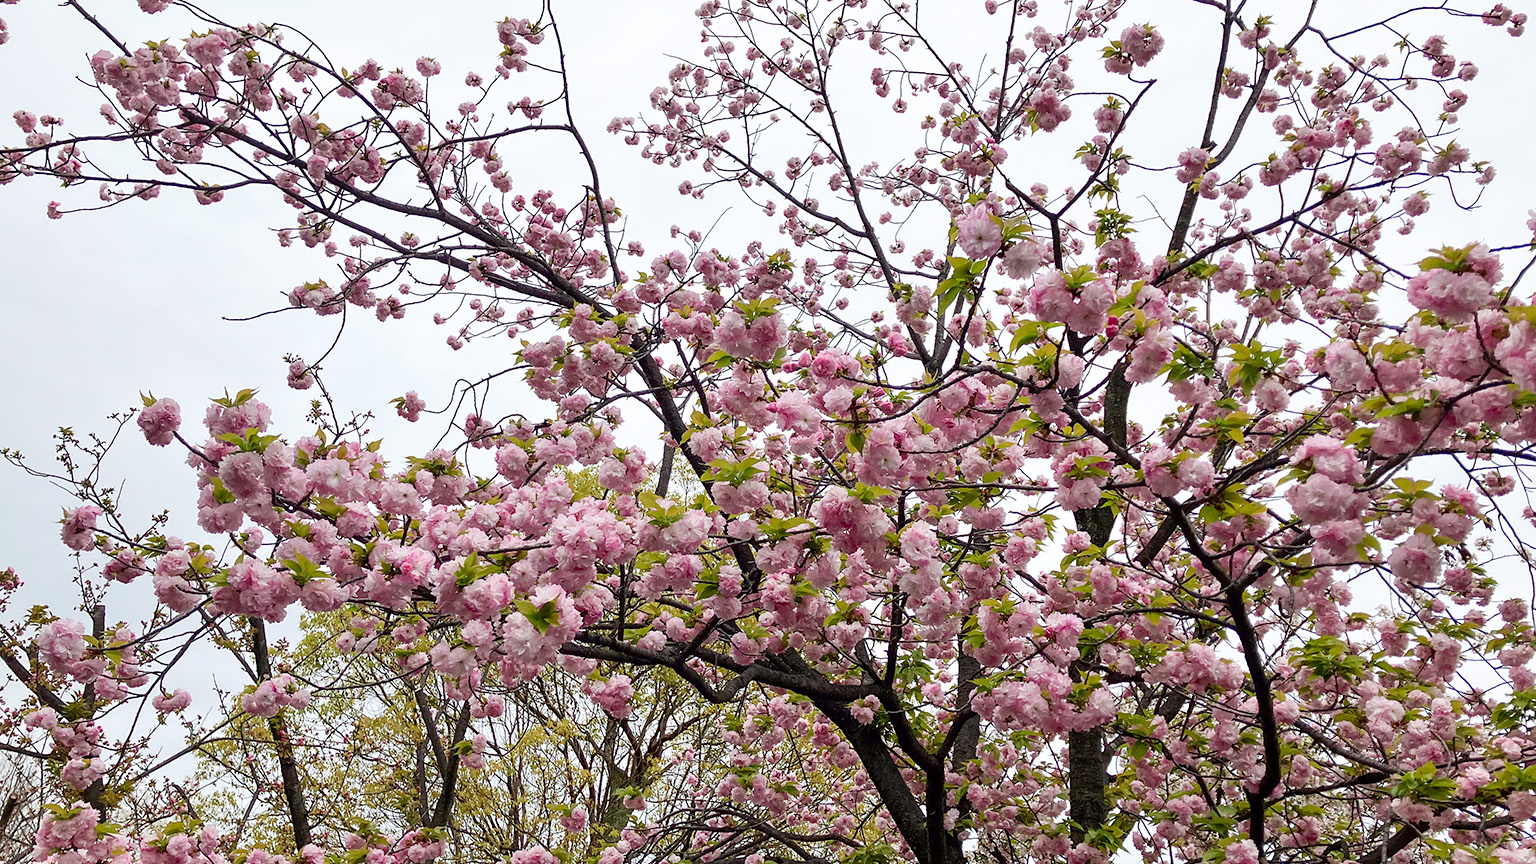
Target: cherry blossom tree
1027 504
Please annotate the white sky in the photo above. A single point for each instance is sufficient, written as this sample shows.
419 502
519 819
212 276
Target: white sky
102 306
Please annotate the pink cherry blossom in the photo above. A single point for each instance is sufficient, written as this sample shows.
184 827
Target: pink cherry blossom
612 695
160 421
172 702
1452 296
1320 499
79 528
1141 42
980 236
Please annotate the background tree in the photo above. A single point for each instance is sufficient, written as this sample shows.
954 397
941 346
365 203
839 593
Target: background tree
22 808
968 601
384 753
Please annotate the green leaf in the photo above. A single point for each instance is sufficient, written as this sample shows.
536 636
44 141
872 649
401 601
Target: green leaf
1448 257
541 617
221 494
1028 331
1518 712
471 570
1330 657
303 569
856 439
869 494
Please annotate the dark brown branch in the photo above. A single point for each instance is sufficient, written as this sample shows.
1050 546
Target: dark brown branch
288 766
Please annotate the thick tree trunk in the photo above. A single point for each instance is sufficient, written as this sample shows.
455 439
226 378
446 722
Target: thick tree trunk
1087 781
1087 760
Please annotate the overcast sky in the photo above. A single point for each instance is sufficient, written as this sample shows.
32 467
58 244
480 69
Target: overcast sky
99 307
